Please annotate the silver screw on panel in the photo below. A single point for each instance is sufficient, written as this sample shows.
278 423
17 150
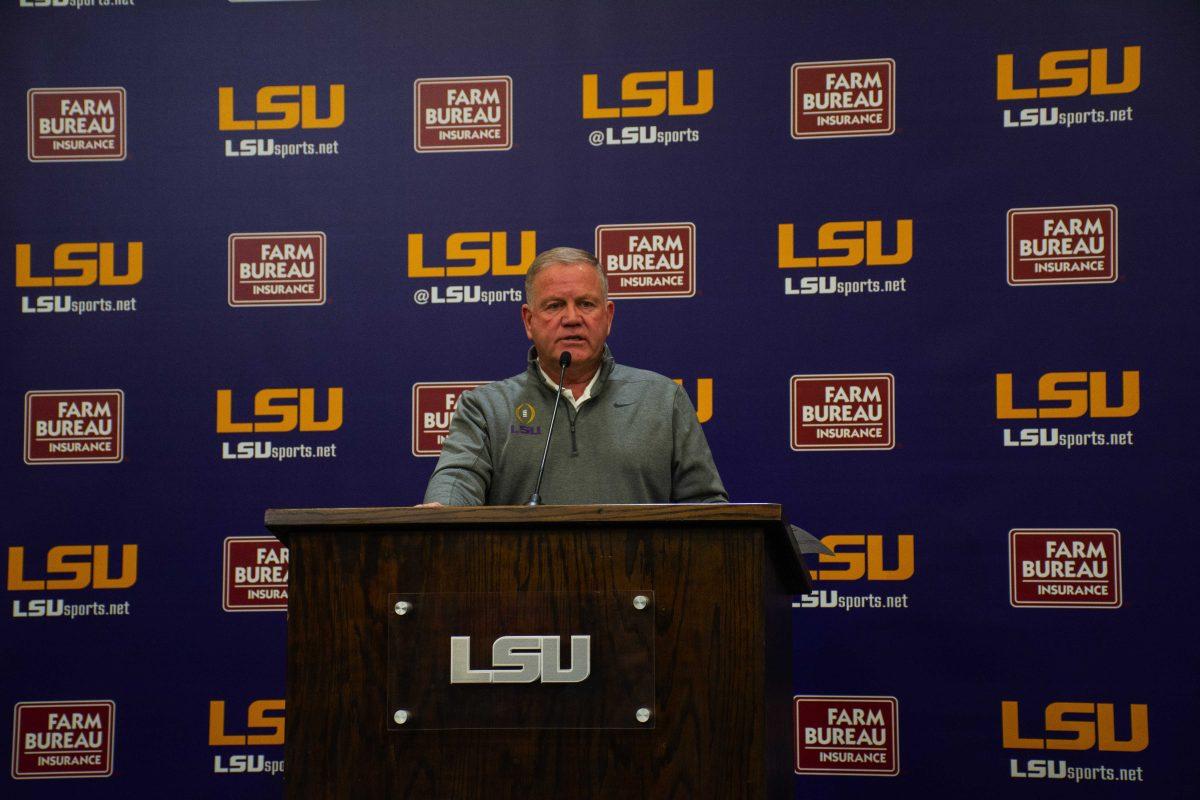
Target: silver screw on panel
403 607
640 602
401 716
643 715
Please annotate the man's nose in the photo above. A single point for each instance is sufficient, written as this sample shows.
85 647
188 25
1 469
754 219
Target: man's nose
571 315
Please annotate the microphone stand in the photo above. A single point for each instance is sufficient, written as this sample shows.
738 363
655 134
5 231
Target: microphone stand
564 361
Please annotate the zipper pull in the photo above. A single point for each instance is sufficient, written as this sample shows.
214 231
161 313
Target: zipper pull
574 448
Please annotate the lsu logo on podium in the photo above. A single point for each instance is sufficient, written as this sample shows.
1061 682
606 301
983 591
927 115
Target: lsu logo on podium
283 108
433 407
843 412
264 726
76 124
650 94
1064 568
277 269
1070 73
1077 726
844 98
1057 245
846 735
63 739
649 259
76 426
255 574
462 114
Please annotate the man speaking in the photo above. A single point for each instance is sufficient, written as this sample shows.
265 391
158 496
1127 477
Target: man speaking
623 435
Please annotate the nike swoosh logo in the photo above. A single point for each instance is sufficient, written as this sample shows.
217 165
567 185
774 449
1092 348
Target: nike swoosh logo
622 405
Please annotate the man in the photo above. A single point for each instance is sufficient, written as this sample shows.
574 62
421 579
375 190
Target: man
626 435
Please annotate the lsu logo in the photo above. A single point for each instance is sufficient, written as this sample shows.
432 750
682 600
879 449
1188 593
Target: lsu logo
484 251
281 411
73 566
433 407
651 94
846 735
857 556
703 398
76 124
264 724
81 264
1071 395
848 244
1078 726
63 739
282 108
1070 73
83 426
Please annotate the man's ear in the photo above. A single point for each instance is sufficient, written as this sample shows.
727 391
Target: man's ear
526 316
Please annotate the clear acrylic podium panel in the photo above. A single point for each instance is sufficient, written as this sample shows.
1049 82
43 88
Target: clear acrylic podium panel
520 660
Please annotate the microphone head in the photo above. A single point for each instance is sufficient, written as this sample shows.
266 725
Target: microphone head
564 360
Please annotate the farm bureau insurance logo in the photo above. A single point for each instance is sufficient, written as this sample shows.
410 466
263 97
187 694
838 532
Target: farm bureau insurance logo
1064 568
1090 726
76 124
843 412
255 574
846 243
642 95
433 407
462 114
282 110
649 259
861 557
1068 396
288 411
77 426
264 727
844 98
487 255
70 567
846 735
1062 244
80 265
277 269
63 739
1066 74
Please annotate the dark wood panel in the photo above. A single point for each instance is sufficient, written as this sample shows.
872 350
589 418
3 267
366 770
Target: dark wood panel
280 520
710 650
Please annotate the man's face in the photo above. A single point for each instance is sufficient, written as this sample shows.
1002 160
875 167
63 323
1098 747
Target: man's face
567 311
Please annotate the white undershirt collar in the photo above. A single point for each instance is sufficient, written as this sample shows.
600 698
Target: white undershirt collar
567 393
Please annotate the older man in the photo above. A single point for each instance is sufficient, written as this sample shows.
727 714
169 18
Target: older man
627 435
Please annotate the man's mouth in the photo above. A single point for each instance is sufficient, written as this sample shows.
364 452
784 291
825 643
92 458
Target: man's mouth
573 340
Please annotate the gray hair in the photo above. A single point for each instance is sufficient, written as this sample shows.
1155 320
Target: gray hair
563 255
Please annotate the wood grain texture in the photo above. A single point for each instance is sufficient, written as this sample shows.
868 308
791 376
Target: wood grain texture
280 520
711 651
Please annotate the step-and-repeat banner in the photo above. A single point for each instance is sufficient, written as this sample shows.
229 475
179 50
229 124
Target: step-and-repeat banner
926 274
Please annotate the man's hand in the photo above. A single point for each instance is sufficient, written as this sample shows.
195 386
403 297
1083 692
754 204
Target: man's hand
429 505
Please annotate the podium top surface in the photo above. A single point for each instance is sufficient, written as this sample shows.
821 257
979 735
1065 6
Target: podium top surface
284 519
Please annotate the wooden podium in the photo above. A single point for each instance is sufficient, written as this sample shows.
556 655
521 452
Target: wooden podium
712 647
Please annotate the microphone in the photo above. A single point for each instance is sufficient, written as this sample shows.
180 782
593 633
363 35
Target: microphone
564 361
